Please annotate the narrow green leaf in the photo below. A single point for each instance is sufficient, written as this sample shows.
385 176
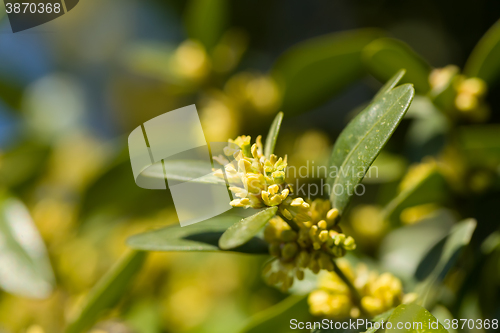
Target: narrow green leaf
203 236
311 72
107 292
484 59
243 231
384 57
206 20
272 136
416 318
361 141
390 84
456 241
279 318
25 269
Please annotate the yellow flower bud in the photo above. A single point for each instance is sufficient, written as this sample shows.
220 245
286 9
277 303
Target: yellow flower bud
323 235
349 243
322 224
332 214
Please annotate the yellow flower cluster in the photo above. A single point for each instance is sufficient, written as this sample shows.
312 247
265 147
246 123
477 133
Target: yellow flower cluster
314 245
467 92
255 180
304 235
334 299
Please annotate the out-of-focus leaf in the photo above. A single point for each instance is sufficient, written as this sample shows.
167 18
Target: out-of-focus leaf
484 61
244 230
386 56
427 187
417 318
386 168
311 72
11 94
455 242
480 144
272 136
145 316
107 292
23 163
206 20
403 249
361 141
184 170
24 266
115 192
202 236
279 317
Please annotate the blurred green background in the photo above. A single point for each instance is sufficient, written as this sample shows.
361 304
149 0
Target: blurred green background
73 89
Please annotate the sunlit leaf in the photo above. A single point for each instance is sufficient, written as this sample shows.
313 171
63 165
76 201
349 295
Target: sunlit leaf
484 59
202 236
206 20
361 141
279 317
385 57
414 319
107 292
272 136
24 266
243 231
311 72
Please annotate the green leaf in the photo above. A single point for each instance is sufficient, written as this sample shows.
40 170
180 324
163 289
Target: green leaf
390 84
107 292
24 265
206 21
278 318
203 236
484 59
427 187
386 56
455 242
243 231
272 136
416 317
311 72
361 141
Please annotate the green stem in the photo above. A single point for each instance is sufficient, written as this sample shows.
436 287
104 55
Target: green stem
291 223
354 292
